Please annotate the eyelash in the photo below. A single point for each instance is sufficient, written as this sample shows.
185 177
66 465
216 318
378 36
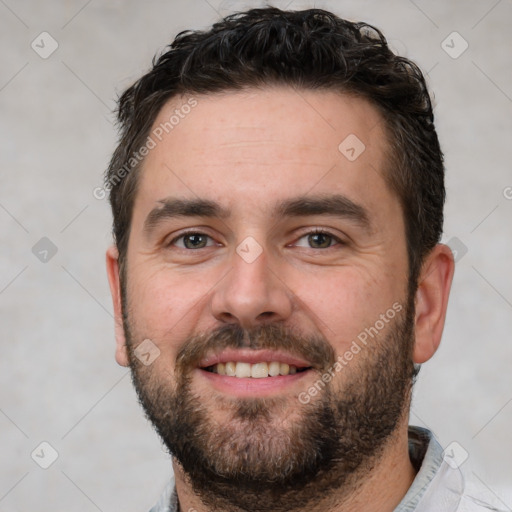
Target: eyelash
317 231
183 235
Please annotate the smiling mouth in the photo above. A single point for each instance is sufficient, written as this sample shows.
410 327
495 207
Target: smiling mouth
243 370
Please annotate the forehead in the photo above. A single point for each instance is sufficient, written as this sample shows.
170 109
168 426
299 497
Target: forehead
258 144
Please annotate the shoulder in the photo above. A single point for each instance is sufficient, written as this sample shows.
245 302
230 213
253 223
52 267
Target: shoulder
167 500
473 504
479 497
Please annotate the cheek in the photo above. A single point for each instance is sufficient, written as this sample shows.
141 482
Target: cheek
165 305
344 302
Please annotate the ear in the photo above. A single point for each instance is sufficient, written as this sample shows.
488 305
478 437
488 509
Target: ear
112 257
431 301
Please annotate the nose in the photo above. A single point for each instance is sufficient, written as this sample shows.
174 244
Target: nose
251 293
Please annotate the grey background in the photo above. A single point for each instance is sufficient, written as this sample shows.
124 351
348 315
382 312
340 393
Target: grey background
59 381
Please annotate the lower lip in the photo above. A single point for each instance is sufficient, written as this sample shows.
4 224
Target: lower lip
265 386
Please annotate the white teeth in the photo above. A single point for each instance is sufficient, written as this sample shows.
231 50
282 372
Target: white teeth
284 369
273 368
243 370
256 371
230 369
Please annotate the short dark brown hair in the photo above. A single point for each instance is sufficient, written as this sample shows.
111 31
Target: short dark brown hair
310 49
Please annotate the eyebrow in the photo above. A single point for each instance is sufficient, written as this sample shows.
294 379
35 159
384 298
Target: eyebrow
336 205
173 207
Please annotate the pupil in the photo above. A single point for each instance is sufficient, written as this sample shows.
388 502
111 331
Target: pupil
319 240
194 241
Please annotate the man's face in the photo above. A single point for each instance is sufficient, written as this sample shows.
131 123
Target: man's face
257 238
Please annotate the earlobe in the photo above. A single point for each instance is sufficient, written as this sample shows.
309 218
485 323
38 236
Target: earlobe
112 261
431 301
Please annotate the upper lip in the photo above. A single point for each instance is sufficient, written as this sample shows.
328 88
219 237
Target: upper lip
253 357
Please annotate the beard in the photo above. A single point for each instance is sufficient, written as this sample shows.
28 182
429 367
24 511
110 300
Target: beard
278 453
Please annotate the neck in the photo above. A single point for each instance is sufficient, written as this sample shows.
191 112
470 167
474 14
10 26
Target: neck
381 486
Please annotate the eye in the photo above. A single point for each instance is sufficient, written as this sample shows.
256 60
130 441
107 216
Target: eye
318 240
192 240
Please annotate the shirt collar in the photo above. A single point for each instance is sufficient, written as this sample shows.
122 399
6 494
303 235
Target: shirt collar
437 485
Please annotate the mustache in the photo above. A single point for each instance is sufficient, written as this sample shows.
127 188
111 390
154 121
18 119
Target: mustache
313 348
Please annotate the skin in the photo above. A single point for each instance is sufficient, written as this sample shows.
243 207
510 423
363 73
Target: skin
249 151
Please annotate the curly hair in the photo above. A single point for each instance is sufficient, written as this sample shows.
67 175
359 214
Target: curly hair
309 49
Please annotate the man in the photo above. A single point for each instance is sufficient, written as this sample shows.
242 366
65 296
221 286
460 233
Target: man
277 280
